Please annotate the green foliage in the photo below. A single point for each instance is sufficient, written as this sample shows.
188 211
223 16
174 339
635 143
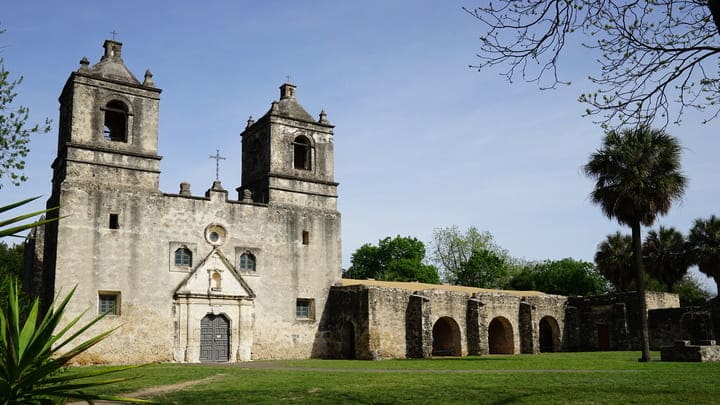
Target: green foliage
393 259
11 259
14 132
34 351
485 269
452 249
565 277
665 256
690 291
13 226
614 261
704 247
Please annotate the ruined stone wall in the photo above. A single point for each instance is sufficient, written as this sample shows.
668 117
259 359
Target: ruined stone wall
611 322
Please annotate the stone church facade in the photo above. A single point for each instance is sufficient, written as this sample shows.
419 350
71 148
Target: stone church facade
252 274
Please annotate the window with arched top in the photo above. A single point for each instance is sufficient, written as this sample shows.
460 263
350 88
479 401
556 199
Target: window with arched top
301 153
115 123
216 281
247 262
183 257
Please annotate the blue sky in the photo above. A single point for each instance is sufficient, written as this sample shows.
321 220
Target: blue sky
421 140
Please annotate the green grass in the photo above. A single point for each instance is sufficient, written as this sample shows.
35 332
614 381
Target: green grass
580 378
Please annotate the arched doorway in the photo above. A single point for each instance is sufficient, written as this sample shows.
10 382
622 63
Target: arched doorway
214 338
549 335
347 334
500 336
446 337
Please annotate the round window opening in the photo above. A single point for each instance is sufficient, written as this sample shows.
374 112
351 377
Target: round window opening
215 234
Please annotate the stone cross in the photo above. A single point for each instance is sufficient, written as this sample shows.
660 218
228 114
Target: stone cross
288 79
113 32
217 158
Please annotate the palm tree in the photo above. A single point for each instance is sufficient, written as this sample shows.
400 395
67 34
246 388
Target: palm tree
614 261
637 177
665 256
704 242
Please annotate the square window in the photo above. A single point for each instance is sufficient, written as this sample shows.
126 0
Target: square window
305 308
109 302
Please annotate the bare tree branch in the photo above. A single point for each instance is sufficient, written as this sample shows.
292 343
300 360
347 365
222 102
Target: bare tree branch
656 57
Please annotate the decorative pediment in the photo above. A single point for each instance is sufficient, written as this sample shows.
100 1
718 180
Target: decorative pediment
214 276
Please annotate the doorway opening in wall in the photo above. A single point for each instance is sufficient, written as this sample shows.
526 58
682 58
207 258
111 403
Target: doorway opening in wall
347 334
446 337
500 336
214 339
549 335
603 334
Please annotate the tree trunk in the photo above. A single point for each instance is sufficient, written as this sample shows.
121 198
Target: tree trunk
714 6
640 282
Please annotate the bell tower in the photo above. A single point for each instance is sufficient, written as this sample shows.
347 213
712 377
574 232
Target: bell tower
287 156
108 132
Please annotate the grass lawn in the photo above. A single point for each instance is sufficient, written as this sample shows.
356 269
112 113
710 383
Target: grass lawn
579 378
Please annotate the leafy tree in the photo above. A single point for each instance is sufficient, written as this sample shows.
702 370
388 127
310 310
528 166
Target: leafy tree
637 177
485 269
452 249
14 131
393 259
565 277
11 262
650 53
690 291
33 351
614 261
704 245
665 256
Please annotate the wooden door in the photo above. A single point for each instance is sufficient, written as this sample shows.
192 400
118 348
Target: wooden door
214 338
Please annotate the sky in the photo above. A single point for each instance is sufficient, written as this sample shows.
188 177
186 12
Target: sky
422 141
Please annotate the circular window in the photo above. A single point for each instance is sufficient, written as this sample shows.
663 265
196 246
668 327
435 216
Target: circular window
215 234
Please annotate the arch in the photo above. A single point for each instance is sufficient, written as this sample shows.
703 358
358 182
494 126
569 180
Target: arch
500 336
446 337
115 122
549 335
183 257
214 338
301 153
347 343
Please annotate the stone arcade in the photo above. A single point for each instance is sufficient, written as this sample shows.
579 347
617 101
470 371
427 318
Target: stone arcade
210 278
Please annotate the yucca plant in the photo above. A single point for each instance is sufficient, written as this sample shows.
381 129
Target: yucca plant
33 354
10 227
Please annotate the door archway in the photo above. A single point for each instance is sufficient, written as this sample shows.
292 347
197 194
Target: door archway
347 333
549 335
214 338
500 336
446 337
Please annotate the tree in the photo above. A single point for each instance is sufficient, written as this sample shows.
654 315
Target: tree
637 177
565 277
690 292
704 245
452 249
485 269
14 131
393 259
614 261
665 256
649 52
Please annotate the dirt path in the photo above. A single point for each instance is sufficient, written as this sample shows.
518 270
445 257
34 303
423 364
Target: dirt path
147 393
